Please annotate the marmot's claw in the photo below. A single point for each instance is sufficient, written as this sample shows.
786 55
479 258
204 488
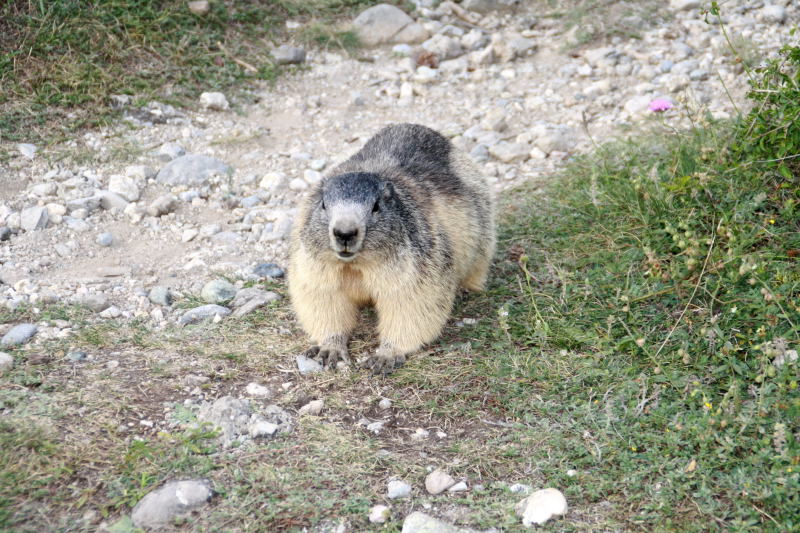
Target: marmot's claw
328 356
384 364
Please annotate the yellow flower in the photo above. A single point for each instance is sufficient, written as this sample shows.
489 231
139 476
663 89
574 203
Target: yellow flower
708 405
772 221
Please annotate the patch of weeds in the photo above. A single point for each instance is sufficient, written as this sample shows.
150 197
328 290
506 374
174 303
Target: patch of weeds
30 461
61 61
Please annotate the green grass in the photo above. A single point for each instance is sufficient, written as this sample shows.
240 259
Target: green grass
61 61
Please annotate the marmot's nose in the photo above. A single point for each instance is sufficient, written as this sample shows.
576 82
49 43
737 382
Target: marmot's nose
345 236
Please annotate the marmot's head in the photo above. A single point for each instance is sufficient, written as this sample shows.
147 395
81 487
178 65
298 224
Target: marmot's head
352 214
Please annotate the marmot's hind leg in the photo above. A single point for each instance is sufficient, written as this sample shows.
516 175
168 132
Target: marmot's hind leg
475 280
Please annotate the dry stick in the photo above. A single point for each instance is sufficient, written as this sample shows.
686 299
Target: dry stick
243 64
696 286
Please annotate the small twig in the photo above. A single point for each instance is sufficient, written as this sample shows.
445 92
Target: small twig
247 66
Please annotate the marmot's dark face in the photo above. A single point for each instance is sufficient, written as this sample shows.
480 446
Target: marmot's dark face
356 208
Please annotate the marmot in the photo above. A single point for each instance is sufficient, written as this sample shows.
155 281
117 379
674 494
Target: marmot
401 225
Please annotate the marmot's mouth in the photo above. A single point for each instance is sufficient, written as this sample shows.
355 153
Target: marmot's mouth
346 255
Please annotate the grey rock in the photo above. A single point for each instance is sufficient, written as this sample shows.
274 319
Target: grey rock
94 301
6 362
485 6
226 237
273 420
480 154
229 415
44 189
260 428
76 224
307 366
111 200
396 489
385 23
684 5
443 46
204 312
509 152
19 334
5 233
438 481
112 312
218 291
192 169
666 65
27 150
76 356
105 239
288 55
160 507
418 522
162 205
698 75
125 187
553 139
774 13
33 218
160 295
170 151
248 300
250 201
89 203
268 270
140 172
214 101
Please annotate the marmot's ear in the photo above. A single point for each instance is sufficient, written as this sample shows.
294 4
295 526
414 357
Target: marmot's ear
387 190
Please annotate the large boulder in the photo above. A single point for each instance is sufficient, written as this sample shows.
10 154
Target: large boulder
384 24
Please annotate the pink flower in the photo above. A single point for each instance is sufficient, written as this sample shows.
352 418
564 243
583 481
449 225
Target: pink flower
660 104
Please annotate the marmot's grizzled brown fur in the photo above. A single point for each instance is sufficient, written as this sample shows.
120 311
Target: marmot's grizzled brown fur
401 225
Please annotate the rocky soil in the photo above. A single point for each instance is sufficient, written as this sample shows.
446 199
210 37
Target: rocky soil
174 197
172 203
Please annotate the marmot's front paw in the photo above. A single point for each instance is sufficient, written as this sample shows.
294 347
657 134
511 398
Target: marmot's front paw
328 354
382 362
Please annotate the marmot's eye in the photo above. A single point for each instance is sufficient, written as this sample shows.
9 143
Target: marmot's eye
322 204
376 207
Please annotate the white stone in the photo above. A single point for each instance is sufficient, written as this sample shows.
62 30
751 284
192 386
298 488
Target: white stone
27 150
33 218
684 5
312 408
541 506
396 489
273 181
199 7
256 389
312 177
461 486
379 514
510 152
774 13
298 185
214 101
438 481
125 187
44 189
6 362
